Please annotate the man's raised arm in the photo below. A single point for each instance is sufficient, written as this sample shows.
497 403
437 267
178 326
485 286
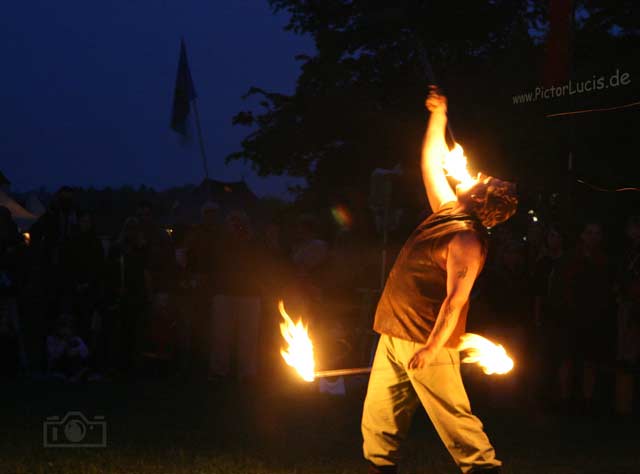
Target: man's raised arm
434 149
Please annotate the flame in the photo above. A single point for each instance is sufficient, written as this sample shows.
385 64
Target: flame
299 354
492 358
455 165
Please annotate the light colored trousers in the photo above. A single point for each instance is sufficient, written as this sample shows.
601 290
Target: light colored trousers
394 394
235 326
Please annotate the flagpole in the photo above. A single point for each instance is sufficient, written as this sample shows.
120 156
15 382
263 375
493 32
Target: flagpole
200 140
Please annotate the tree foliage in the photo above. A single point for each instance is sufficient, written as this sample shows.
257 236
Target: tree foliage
358 102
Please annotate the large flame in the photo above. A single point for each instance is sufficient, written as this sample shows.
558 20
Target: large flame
299 354
492 358
455 165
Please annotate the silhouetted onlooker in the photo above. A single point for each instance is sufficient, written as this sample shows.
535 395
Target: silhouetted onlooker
553 325
203 249
629 297
237 305
83 272
50 236
127 285
12 262
590 299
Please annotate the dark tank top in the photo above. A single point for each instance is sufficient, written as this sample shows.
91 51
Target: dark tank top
417 285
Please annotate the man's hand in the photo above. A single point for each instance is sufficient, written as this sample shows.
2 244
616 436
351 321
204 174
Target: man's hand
422 358
436 102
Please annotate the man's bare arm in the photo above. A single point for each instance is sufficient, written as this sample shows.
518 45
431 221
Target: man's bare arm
434 149
464 261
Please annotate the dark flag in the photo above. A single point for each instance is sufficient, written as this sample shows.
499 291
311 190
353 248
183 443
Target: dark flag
184 93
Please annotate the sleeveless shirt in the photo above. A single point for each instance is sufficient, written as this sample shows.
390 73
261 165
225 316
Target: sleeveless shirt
417 286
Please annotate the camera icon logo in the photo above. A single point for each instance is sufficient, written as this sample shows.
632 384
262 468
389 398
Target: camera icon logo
74 430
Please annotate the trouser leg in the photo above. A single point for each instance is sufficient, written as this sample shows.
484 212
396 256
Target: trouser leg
388 408
441 391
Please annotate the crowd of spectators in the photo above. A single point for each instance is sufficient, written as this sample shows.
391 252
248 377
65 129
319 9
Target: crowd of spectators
75 306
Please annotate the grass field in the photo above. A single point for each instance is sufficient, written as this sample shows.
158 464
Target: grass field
283 427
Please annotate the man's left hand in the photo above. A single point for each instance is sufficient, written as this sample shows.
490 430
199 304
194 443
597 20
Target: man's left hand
422 358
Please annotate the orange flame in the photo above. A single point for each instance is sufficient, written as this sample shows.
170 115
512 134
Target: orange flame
299 354
492 358
455 165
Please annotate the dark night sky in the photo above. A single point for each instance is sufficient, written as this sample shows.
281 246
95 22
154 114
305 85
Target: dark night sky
86 88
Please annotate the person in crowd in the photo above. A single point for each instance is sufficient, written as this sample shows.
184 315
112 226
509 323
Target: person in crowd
161 254
629 296
67 353
275 263
10 350
128 293
551 319
590 305
163 279
84 272
50 236
237 310
12 275
203 254
309 257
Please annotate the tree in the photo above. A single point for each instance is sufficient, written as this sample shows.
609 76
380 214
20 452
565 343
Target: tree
358 103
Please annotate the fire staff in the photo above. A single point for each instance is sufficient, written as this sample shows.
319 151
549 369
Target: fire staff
422 314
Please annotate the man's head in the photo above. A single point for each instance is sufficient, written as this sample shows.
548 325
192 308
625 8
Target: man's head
491 200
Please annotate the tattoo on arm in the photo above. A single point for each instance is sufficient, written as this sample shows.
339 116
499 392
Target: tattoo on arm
462 273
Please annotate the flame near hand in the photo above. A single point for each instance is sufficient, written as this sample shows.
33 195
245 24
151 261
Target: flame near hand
492 358
455 165
299 354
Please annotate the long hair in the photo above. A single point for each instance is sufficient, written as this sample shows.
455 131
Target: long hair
492 201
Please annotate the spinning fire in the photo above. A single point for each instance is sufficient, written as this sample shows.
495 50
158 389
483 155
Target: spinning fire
492 358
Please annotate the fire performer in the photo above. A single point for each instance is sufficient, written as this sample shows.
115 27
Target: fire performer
422 314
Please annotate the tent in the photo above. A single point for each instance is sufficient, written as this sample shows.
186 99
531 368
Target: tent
20 215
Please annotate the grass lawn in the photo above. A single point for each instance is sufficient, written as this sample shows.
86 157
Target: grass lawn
283 427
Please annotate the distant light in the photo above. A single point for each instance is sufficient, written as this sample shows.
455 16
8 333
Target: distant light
531 212
27 238
169 231
535 219
524 238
